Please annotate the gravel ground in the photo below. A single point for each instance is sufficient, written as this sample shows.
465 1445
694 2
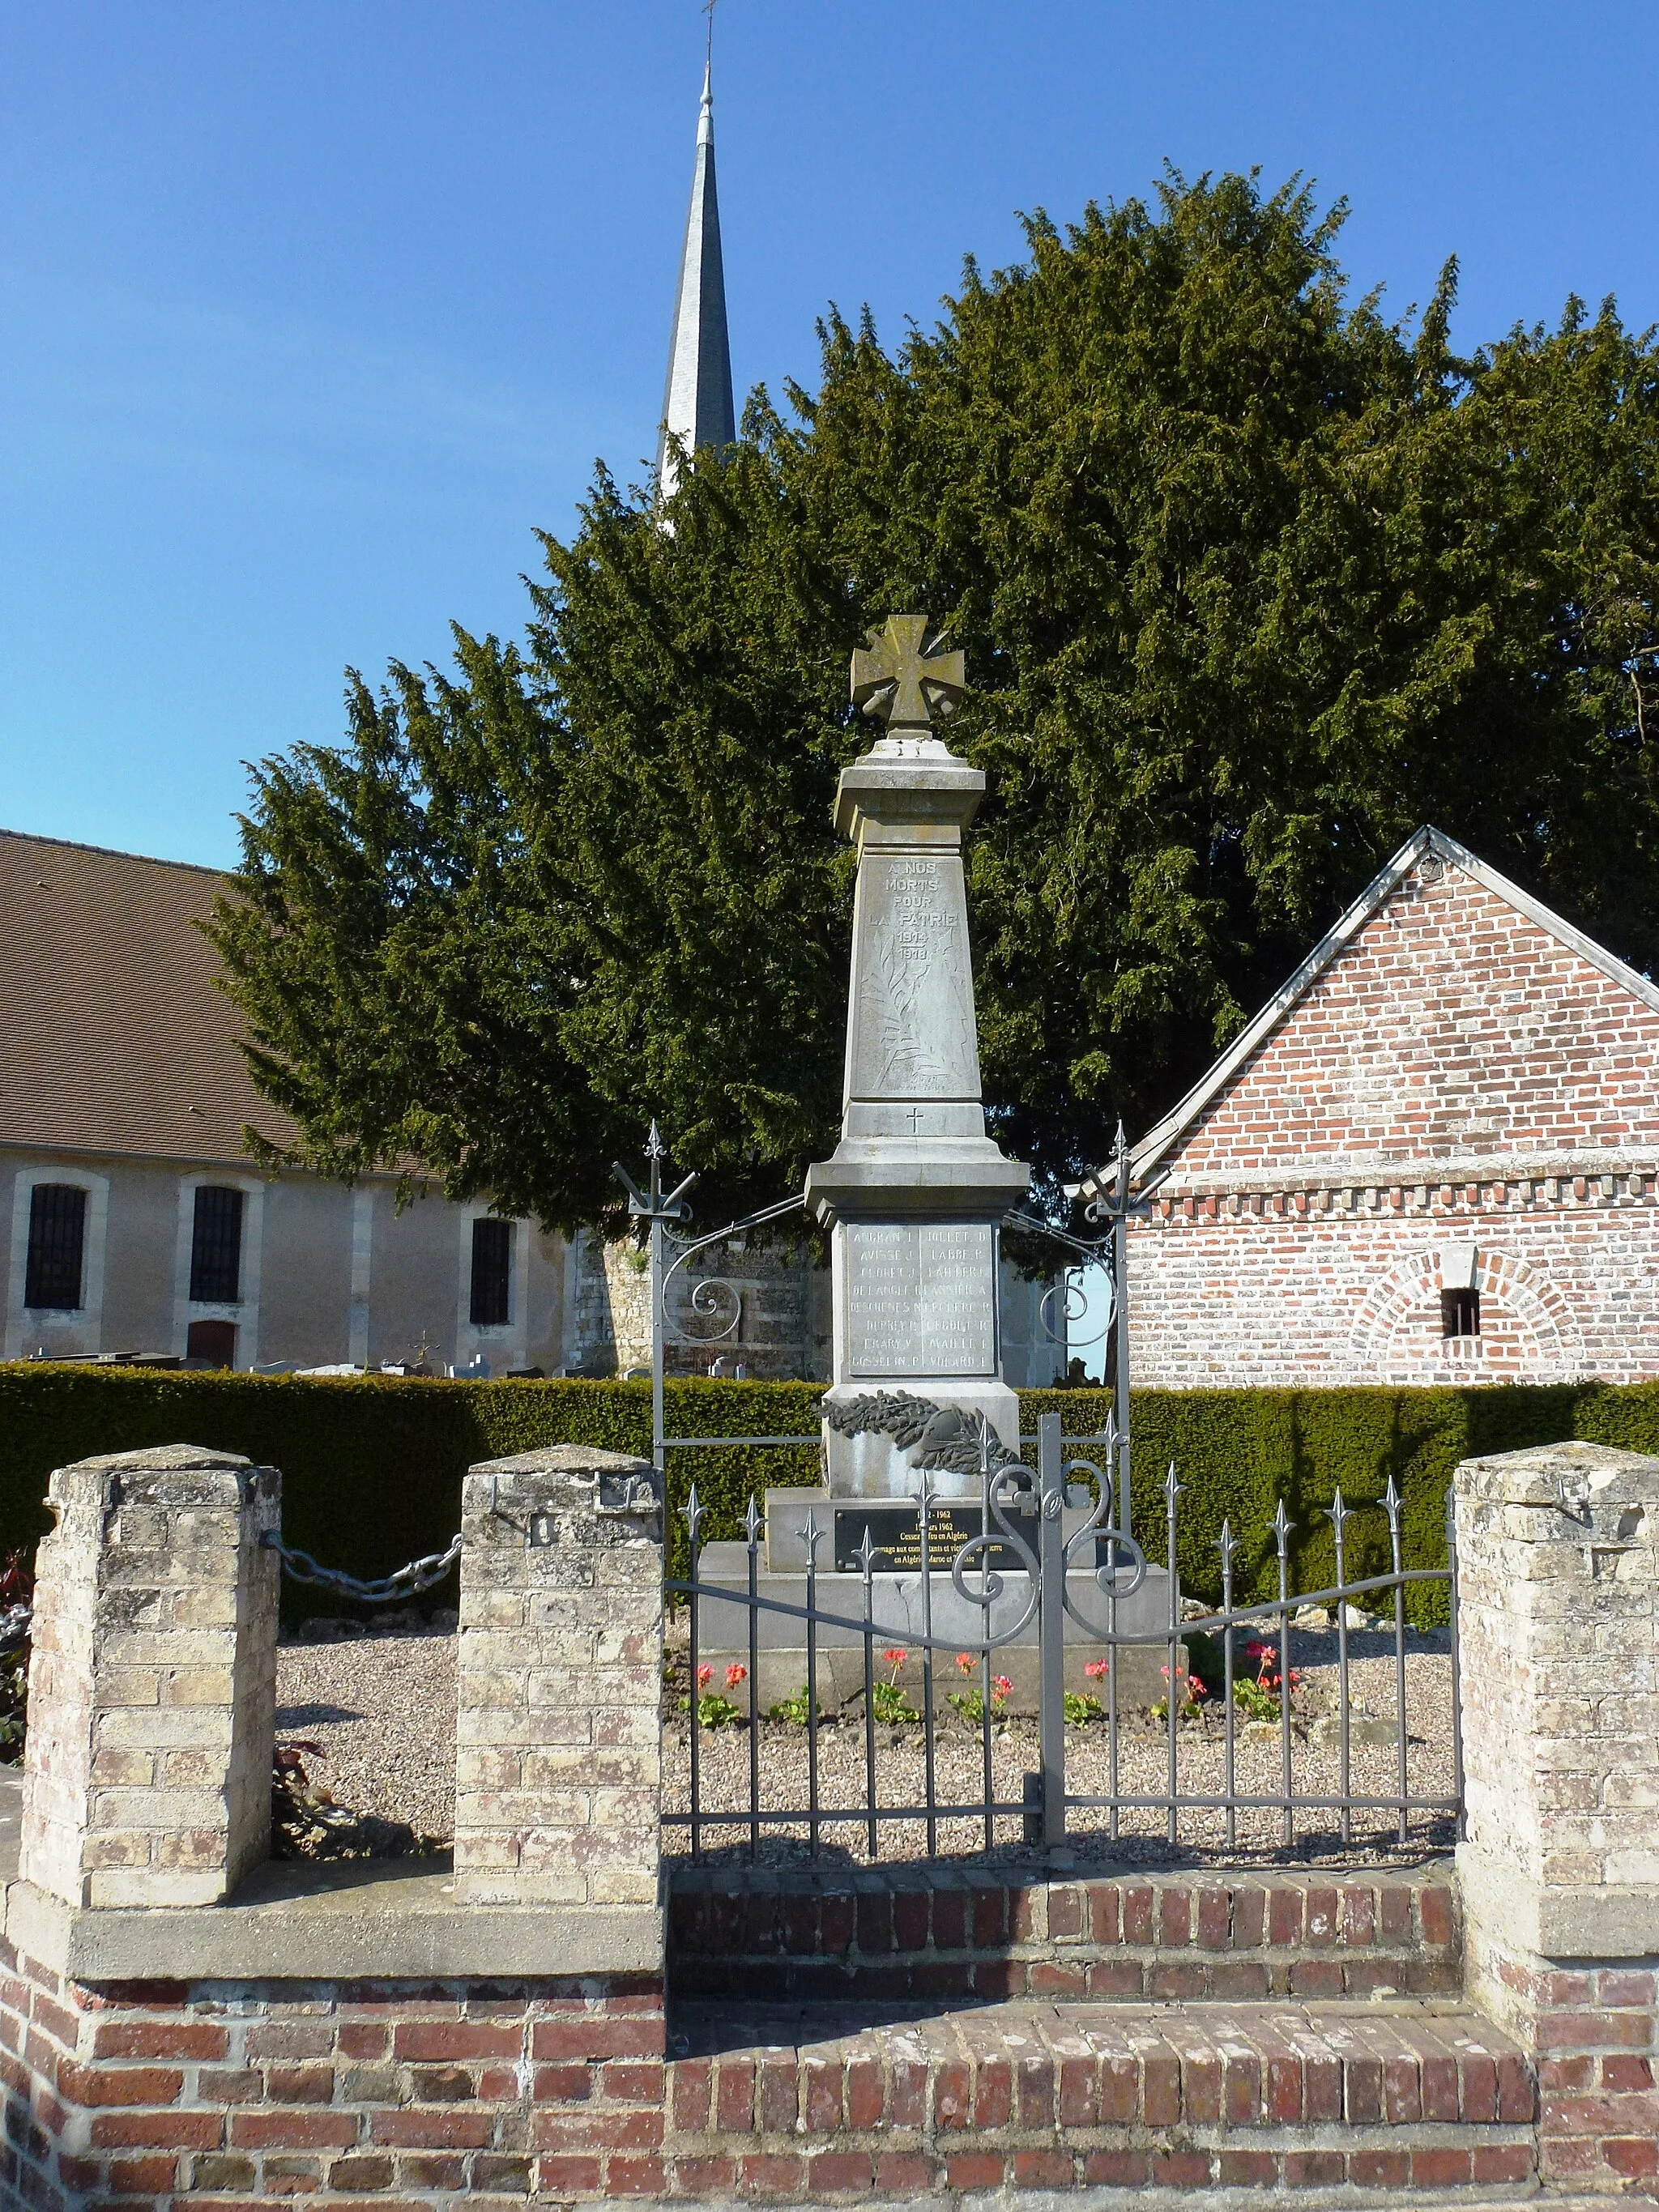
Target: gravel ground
1143 1769
382 1707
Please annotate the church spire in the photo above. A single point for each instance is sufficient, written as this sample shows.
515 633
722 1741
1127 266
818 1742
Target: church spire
696 405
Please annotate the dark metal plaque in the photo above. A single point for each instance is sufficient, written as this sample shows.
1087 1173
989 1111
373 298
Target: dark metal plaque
895 1538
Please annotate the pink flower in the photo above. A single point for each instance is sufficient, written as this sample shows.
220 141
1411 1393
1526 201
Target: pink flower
1001 1685
734 1674
1194 1687
1096 1668
896 1657
966 1661
705 1676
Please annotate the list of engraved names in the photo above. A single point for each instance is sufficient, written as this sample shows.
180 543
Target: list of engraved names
920 1298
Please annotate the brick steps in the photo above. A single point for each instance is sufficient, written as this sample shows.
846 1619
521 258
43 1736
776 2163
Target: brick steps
824 2100
943 1934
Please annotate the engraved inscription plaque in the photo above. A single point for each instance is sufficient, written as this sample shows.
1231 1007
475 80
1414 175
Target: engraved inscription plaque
895 1538
920 1298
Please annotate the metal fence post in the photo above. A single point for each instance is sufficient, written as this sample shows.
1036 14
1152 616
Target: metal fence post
1051 1626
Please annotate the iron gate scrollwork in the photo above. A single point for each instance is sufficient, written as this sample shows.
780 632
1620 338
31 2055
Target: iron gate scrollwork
1052 1571
1047 1590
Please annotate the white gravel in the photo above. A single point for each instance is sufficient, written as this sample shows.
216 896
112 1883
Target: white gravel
382 1708
1143 1771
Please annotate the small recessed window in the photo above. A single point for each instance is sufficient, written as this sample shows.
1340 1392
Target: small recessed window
216 1247
58 1237
492 1269
1459 1313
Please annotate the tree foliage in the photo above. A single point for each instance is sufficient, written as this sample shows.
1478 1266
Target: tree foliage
1251 581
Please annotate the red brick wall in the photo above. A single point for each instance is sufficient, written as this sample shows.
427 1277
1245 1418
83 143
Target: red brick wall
1297 1240
231 2096
1450 1023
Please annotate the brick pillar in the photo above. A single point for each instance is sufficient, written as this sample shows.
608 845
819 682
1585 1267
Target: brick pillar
558 1756
153 1683
1558 1619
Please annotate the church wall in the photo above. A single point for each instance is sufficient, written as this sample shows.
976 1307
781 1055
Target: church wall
305 1275
142 1259
328 1274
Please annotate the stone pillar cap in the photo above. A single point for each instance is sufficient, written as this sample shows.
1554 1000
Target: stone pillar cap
554 1459
1537 1475
160 1458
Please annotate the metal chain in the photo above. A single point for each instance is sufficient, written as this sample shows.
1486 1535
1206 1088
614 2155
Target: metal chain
407 1582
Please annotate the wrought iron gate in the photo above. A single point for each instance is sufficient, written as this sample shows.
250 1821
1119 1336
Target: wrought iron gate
819 1775
1050 1573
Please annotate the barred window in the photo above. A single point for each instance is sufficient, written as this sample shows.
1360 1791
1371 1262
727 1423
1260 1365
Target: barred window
216 1247
1459 1313
58 1237
492 1270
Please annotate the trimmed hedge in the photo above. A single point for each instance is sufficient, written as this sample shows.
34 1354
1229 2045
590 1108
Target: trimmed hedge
372 1465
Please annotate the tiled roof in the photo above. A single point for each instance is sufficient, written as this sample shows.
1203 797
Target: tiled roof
112 1035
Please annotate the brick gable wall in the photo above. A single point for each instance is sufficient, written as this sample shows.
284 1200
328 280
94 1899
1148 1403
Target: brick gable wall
1456 1076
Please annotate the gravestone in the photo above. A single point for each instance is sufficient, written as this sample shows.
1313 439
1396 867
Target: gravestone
914 1192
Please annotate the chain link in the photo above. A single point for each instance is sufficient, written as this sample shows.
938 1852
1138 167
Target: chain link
407 1582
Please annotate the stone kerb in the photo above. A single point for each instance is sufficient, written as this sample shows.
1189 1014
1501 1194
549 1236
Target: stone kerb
559 1680
152 1684
1558 1552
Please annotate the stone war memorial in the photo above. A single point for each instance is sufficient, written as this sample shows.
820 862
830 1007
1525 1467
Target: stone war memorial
913 1197
1212 1896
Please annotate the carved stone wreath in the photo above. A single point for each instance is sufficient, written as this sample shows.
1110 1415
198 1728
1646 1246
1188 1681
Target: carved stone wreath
950 1441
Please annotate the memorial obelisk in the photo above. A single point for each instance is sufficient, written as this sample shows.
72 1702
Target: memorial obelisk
915 1192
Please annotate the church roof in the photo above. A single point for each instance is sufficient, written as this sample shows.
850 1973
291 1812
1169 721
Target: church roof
113 1035
696 405
1158 1143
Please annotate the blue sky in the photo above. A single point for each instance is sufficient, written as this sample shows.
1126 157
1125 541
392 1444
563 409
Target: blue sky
311 312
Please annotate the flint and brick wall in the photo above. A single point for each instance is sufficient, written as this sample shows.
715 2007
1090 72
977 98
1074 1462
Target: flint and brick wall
152 1684
1457 1076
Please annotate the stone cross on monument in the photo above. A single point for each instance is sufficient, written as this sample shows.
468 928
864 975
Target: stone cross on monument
895 678
915 1191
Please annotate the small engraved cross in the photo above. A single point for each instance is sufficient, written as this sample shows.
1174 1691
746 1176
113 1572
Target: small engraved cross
914 1117
898 680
